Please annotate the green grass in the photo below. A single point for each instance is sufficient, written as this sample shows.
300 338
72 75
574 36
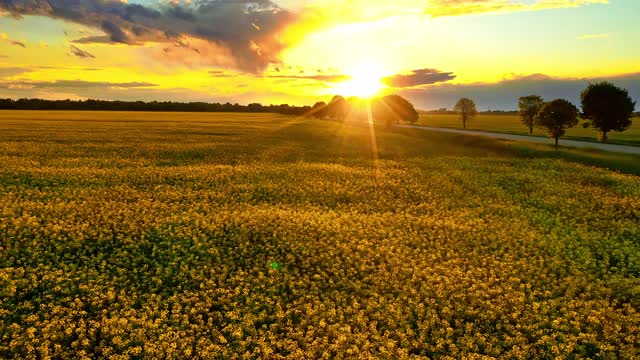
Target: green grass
151 235
510 124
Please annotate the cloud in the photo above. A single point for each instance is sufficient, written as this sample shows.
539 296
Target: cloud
247 28
93 40
440 8
13 71
106 93
221 74
322 14
78 89
321 78
18 90
72 84
80 53
504 94
6 38
18 43
66 68
298 75
7 72
593 36
418 78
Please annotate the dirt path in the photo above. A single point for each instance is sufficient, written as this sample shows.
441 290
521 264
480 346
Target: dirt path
570 143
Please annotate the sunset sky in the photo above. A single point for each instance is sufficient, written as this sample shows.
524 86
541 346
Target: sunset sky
298 52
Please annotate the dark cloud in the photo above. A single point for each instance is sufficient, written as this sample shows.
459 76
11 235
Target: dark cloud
93 40
80 53
116 34
417 78
220 74
247 28
504 95
18 43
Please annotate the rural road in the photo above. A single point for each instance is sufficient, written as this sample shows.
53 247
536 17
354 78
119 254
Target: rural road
570 143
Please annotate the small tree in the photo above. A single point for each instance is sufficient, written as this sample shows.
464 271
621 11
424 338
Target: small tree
467 110
529 107
557 116
607 108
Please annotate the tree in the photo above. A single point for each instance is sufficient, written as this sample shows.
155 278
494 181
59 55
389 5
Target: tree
338 108
319 110
392 109
529 107
557 116
607 108
467 110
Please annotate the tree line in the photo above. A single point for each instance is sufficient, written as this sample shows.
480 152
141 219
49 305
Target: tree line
389 109
605 107
169 106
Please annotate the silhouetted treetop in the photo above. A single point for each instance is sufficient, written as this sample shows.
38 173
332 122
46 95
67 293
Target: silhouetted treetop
338 108
529 107
393 109
607 107
556 116
467 110
318 110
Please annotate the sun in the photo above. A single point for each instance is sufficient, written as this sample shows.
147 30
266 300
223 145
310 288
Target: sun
365 82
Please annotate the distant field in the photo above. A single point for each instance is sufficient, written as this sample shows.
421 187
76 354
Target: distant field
168 235
511 124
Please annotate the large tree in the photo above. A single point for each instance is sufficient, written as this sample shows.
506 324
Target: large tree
467 110
529 107
557 116
392 109
607 108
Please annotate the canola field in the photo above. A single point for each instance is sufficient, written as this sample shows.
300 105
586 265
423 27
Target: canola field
511 124
223 236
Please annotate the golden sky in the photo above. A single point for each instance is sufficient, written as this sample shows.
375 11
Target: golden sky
297 52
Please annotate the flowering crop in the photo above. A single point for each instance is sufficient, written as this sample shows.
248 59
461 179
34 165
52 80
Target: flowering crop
135 235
